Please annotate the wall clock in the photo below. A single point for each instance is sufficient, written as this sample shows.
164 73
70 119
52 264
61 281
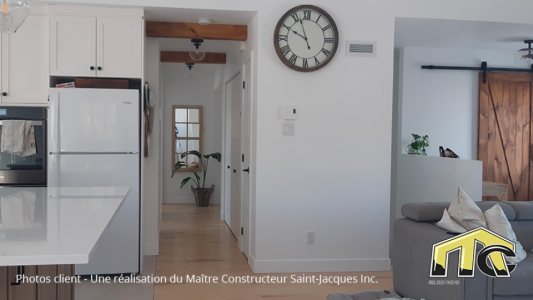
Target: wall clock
306 38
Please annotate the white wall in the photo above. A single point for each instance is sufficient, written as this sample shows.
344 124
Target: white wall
152 176
344 197
444 103
198 90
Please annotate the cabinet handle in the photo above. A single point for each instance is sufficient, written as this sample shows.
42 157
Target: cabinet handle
92 68
99 68
19 272
4 94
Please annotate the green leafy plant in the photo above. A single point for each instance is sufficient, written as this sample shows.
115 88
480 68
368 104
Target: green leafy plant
205 164
420 143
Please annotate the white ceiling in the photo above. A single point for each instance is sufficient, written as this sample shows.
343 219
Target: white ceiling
183 15
412 32
170 44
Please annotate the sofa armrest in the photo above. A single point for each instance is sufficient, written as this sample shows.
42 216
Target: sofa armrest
411 258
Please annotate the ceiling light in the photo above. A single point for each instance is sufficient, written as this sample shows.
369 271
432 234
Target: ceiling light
204 21
189 74
12 14
197 54
526 53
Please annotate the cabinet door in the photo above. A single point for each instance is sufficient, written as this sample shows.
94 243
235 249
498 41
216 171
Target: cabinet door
24 291
47 291
72 46
119 47
4 283
25 63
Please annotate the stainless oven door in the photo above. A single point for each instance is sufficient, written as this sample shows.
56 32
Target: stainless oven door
25 170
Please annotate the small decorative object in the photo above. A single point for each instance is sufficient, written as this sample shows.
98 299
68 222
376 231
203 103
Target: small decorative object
447 153
306 38
419 144
202 194
12 14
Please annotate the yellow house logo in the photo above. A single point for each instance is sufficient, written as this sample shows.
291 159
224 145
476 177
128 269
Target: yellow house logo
490 260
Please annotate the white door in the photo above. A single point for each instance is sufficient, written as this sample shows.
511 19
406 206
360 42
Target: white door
236 155
72 46
94 120
227 154
119 45
246 150
25 76
118 248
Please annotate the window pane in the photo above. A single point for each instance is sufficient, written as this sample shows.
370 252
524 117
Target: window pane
181 146
193 160
194 130
180 130
194 115
194 145
181 115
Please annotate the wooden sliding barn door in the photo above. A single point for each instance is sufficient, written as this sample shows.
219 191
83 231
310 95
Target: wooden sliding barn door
505 132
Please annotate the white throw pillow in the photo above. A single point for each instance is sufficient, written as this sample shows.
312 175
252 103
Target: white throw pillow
498 223
448 224
465 212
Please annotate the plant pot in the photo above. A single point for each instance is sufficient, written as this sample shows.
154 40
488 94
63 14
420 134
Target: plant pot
410 150
203 195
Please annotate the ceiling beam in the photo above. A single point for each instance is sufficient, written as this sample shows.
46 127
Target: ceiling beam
197 31
184 57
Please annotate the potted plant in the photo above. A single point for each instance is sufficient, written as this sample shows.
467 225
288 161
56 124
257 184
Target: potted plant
419 145
202 195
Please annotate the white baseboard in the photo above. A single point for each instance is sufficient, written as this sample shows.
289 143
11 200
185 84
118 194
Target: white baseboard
151 249
319 265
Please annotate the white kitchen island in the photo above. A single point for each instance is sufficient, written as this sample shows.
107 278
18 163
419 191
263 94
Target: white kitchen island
45 231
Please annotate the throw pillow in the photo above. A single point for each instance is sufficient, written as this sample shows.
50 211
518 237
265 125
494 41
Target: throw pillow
465 212
498 223
448 224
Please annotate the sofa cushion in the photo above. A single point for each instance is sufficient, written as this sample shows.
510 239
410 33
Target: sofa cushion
464 211
519 284
432 211
524 209
524 233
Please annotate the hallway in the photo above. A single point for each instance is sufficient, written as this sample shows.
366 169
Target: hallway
194 241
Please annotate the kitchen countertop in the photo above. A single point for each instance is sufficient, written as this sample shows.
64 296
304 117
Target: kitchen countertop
55 226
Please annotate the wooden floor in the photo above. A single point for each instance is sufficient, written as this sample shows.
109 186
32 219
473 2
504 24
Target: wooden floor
194 241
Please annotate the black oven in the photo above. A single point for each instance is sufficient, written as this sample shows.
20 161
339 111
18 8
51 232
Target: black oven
17 170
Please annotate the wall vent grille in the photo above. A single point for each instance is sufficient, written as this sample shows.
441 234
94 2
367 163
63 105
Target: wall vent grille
361 48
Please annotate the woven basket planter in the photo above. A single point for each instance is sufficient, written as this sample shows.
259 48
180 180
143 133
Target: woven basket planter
203 195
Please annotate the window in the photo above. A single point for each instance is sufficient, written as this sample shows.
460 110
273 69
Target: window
187 134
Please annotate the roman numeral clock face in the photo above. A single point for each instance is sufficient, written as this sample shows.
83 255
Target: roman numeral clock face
306 38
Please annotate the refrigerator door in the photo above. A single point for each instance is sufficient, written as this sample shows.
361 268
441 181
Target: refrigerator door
118 249
94 120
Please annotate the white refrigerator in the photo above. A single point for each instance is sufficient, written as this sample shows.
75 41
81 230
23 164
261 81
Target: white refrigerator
94 141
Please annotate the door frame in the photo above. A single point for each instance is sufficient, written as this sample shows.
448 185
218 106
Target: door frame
246 200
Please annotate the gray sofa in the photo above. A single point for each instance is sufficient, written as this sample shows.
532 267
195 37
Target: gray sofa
413 241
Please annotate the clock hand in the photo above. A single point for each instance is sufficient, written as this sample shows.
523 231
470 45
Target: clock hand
305 35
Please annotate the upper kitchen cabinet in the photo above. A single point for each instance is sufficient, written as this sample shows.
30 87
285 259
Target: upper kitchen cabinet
72 46
25 63
95 46
119 45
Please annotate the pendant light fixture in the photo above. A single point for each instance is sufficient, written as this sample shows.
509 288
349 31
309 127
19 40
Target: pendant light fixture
12 14
190 73
526 53
197 55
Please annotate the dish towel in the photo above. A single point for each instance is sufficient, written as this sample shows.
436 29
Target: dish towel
18 137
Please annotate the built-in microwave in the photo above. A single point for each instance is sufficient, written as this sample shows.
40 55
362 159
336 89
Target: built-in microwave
29 170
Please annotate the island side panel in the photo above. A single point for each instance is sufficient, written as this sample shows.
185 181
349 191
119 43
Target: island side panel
47 291
65 291
24 291
4 283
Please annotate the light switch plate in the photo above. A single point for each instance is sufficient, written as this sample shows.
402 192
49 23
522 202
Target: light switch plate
287 129
289 112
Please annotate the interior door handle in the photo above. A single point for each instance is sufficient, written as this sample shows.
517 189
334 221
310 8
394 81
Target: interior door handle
247 170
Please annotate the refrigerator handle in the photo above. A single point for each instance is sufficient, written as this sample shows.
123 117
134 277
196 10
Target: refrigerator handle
56 140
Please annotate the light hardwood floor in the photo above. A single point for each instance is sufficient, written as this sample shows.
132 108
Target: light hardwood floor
194 241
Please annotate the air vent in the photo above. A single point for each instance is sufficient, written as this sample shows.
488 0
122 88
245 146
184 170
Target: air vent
361 48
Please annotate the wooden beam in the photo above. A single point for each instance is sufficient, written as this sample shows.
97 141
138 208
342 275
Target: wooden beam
184 57
197 31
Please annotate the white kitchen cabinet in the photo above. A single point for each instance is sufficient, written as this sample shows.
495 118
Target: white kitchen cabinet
95 46
72 46
25 63
119 45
